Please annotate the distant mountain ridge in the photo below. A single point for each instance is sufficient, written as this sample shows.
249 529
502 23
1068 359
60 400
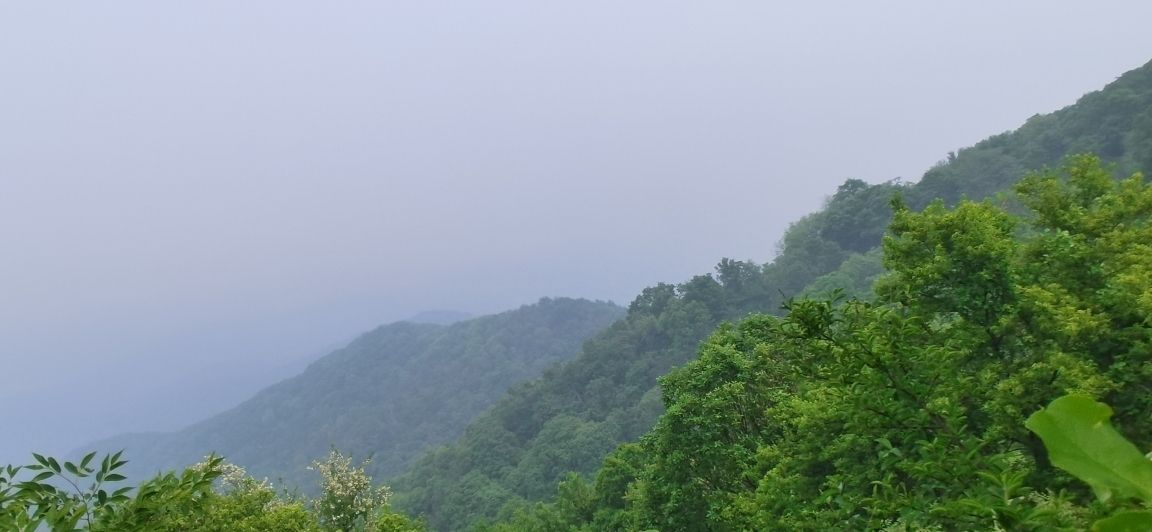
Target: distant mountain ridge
391 393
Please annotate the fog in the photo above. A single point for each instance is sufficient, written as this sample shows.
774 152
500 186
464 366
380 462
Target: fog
197 198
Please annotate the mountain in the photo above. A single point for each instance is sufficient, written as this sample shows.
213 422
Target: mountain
391 393
572 417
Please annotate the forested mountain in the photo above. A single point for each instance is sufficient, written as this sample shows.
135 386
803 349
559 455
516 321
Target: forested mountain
391 393
569 420
908 412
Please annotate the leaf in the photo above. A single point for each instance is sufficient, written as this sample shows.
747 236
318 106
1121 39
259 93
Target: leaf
1081 441
42 476
87 459
113 477
1125 522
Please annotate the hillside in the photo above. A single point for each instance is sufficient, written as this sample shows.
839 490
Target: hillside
391 393
571 418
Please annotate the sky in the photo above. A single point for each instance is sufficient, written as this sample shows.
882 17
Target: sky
197 198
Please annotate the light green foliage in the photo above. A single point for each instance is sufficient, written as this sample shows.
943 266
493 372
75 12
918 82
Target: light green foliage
210 496
1095 237
68 496
951 261
1079 439
244 504
238 503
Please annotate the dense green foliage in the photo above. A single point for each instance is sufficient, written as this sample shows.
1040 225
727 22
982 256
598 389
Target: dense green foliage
390 394
906 412
542 431
210 496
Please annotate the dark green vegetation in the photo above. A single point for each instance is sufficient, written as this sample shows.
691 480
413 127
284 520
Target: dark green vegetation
392 393
524 447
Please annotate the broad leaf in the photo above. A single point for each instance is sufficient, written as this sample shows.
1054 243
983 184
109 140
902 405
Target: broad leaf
1125 522
87 459
1081 441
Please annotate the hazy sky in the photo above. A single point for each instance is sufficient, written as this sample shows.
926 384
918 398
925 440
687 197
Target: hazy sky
193 191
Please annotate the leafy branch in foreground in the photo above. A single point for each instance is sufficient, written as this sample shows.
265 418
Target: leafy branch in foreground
53 495
1081 440
210 496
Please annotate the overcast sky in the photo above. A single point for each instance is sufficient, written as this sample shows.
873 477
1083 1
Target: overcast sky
191 191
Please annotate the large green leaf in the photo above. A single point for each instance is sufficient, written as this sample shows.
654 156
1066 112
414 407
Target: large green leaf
1125 522
1080 440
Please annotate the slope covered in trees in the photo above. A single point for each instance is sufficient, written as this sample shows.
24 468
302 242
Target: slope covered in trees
907 413
568 420
391 393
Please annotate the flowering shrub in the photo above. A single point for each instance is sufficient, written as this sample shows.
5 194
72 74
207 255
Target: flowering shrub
349 502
